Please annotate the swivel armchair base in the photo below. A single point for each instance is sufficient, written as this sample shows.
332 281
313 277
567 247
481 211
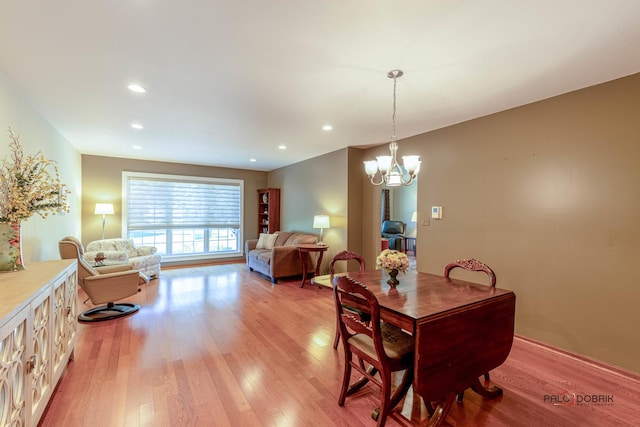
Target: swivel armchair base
108 312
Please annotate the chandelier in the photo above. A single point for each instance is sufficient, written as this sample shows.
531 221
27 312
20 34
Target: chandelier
391 173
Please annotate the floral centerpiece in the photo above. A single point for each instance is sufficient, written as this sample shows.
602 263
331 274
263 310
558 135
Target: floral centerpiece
393 262
27 187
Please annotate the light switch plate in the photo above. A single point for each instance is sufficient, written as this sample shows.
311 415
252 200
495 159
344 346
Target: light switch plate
436 212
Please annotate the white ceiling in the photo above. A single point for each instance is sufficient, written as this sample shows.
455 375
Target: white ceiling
231 80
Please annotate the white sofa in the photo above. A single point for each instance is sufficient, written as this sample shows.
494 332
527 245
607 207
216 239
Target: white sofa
124 251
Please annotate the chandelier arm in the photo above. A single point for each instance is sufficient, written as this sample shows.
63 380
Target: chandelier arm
401 172
371 177
409 181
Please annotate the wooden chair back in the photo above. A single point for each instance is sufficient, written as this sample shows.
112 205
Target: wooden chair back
347 256
471 265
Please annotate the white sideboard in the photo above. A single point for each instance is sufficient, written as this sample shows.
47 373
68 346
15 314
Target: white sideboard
38 328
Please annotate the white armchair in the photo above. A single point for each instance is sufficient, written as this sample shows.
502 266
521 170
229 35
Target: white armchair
124 251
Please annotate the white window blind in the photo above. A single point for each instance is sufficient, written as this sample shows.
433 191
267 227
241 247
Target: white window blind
154 203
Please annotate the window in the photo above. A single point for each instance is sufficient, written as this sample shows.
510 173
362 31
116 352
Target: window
184 217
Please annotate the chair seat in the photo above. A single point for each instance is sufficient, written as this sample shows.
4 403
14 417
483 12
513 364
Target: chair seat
397 343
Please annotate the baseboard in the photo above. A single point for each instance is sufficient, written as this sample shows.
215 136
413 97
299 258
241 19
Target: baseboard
195 264
613 369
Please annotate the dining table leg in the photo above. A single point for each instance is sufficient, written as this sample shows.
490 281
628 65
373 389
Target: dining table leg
441 410
488 392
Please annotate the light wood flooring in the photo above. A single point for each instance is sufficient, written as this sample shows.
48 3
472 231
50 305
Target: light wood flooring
219 346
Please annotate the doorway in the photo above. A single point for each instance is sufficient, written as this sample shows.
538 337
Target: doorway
401 204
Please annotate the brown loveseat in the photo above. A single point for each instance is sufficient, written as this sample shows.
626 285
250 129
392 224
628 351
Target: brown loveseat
282 260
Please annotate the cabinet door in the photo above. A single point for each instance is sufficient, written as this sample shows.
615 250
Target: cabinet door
41 374
59 349
13 378
71 301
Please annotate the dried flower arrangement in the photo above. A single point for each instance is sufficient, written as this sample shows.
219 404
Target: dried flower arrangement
27 187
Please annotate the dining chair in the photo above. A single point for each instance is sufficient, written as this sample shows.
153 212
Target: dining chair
371 347
347 256
471 265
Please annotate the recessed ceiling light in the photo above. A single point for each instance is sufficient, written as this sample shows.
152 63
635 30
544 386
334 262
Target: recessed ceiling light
137 147
252 160
137 126
282 147
327 128
136 88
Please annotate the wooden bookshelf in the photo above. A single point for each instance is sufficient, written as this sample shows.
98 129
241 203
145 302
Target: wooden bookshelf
268 210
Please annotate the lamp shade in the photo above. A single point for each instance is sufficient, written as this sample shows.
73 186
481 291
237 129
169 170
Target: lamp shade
104 209
321 221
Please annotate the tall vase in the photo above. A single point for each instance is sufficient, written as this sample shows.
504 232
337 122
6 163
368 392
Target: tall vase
10 247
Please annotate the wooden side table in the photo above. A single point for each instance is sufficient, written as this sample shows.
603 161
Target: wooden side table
308 248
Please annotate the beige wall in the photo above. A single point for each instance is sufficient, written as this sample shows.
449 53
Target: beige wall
355 211
312 187
40 236
102 182
547 195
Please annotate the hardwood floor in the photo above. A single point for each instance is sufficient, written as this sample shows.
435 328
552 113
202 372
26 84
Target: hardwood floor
219 346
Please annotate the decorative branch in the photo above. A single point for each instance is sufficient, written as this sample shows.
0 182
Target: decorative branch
27 187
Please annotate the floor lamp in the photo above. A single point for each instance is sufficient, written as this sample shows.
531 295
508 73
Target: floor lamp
104 209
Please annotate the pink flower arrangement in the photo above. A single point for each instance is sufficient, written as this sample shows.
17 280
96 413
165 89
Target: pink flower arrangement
390 259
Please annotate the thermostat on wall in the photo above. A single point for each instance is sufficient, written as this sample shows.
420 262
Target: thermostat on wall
436 212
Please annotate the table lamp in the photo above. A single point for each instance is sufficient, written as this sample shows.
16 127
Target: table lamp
104 209
321 222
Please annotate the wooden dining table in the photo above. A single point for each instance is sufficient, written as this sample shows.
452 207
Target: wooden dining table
462 330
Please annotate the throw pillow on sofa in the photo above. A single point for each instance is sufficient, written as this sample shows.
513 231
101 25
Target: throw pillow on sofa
266 241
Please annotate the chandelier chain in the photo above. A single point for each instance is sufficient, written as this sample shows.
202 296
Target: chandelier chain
393 116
